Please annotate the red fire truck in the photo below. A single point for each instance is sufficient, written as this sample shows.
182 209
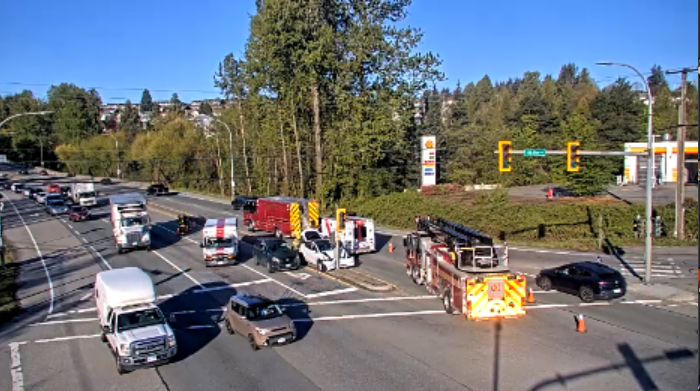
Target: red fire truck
463 268
283 216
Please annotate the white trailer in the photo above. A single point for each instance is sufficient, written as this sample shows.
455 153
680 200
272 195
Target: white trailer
131 226
131 323
358 237
83 194
220 241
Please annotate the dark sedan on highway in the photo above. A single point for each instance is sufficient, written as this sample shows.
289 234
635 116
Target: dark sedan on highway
275 254
589 281
157 190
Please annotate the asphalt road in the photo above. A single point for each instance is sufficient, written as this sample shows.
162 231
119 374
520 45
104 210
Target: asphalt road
351 340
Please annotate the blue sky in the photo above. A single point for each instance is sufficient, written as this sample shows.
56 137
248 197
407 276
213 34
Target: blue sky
121 47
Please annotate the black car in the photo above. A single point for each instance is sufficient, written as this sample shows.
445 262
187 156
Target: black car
588 280
106 181
275 254
23 172
157 190
240 201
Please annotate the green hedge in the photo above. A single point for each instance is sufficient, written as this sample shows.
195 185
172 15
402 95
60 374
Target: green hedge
538 222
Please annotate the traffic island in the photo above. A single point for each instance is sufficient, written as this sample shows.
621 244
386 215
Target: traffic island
357 279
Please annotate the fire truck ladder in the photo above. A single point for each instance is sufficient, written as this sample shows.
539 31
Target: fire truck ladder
471 249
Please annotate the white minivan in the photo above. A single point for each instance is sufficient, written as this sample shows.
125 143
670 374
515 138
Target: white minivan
131 323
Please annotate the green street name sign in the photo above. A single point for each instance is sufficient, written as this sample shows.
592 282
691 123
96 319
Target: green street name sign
535 152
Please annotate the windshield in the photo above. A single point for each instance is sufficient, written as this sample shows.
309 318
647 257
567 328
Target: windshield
324 245
56 203
276 246
219 242
135 320
89 194
262 312
132 222
79 209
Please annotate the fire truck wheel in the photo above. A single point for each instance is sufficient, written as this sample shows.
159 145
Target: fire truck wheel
414 275
544 283
586 294
447 302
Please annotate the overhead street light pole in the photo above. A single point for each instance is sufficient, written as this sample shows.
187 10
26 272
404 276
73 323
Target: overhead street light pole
208 118
23 115
650 169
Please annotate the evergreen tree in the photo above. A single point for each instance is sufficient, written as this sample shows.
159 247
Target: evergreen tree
146 102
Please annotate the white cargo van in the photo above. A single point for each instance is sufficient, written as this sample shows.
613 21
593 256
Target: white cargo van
132 324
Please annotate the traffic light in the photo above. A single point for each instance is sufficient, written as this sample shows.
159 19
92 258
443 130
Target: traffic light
573 156
505 157
340 219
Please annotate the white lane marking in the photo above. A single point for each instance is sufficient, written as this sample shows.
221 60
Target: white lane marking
365 300
71 338
76 232
301 276
562 252
377 315
36 246
331 293
105 220
61 314
538 306
645 301
101 257
16 367
86 296
53 322
176 267
693 303
84 240
236 285
289 288
538 292
69 226
603 303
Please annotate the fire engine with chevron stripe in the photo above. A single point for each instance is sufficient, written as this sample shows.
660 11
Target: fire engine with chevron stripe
465 269
281 216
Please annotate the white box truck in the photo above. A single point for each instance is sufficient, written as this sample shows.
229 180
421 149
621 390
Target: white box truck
220 241
358 237
131 226
131 323
83 194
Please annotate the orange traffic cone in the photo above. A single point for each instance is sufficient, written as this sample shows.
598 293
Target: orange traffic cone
580 324
531 297
391 247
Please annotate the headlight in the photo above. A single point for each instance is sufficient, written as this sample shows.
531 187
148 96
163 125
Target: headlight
261 331
275 259
146 237
124 350
171 340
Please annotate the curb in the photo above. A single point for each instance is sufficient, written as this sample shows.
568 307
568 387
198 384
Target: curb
345 280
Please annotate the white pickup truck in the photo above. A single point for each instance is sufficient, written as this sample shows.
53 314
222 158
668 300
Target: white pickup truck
131 323
220 241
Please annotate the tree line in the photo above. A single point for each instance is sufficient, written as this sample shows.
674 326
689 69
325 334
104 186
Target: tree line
329 100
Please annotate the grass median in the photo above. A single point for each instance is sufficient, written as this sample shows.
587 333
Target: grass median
9 305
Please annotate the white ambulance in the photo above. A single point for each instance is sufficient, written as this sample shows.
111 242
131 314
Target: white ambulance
358 236
220 241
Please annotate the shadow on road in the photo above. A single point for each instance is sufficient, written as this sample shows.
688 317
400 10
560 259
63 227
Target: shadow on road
631 362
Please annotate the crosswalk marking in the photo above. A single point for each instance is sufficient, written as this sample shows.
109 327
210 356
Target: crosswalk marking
659 271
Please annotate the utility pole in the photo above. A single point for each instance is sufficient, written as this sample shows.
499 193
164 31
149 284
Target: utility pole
680 164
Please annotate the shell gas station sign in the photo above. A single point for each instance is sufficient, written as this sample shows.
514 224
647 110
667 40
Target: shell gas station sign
429 161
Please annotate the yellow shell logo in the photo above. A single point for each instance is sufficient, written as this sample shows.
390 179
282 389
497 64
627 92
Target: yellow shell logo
429 144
